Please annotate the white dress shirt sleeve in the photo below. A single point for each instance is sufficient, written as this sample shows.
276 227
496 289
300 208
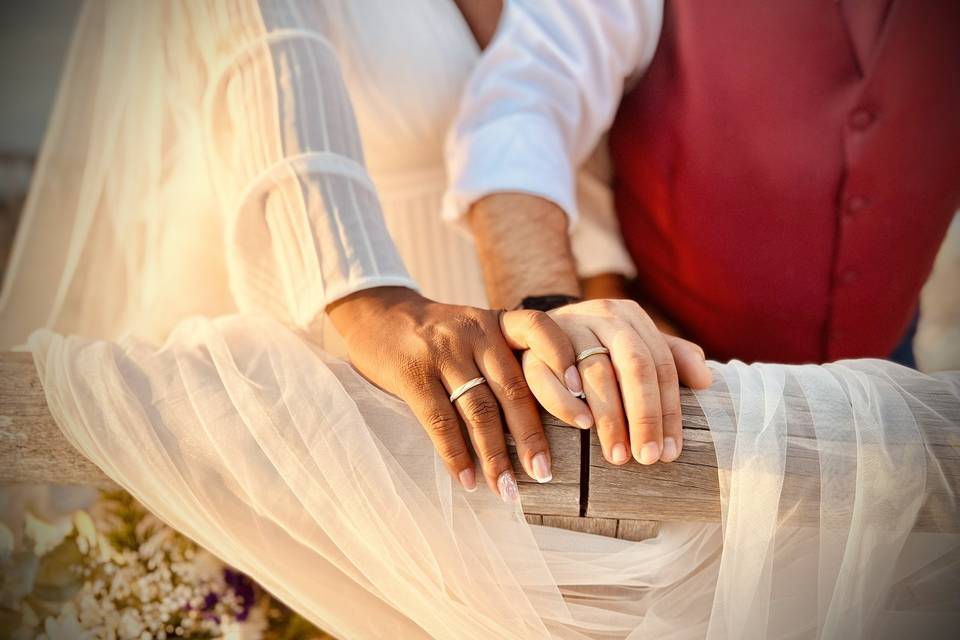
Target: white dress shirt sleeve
542 95
304 223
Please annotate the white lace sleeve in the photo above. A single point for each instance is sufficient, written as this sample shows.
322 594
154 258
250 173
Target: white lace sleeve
305 226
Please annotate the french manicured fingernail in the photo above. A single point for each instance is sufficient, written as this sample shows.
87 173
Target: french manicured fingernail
507 485
572 377
649 453
584 422
468 478
619 453
670 452
541 468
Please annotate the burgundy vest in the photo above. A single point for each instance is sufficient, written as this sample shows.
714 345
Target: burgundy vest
787 170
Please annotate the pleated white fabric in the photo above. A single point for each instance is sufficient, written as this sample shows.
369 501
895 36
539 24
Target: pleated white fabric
202 159
286 463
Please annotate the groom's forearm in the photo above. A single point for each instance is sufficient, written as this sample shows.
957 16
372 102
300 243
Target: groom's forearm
524 248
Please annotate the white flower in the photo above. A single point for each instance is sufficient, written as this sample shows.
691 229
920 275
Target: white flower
86 531
206 567
66 626
130 626
250 629
46 536
233 630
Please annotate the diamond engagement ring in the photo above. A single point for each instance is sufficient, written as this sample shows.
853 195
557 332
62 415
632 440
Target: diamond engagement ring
592 351
466 386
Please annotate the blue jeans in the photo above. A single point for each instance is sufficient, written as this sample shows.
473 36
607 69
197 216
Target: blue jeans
903 354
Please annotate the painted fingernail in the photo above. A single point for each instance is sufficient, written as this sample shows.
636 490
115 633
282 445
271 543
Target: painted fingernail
541 468
619 453
508 487
670 452
468 478
649 453
572 377
584 422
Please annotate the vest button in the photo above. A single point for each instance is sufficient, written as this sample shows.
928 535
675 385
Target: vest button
861 119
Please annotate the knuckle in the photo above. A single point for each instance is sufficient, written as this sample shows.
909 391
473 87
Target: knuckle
610 425
531 439
631 306
672 416
667 374
480 409
494 458
515 389
539 321
647 422
414 369
639 364
452 451
606 306
442 425
444 345
469 326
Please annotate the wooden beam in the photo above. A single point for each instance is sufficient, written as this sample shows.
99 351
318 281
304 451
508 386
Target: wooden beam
623 501
32 447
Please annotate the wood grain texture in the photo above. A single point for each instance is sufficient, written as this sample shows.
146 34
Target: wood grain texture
560 496
637 530
624 501
597 526
32 447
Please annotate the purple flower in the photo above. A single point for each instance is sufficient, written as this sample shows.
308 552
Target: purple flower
243 588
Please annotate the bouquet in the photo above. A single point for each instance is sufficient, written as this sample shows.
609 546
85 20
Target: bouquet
119 573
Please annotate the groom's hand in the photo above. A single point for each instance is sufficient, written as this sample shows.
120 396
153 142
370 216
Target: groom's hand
638 380
633 392
421 351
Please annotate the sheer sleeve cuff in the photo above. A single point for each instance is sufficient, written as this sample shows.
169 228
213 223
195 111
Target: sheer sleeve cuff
520 153
308 232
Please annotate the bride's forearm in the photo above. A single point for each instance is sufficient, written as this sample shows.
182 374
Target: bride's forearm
524 248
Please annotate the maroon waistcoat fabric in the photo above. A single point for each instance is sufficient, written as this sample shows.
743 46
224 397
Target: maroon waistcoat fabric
786 171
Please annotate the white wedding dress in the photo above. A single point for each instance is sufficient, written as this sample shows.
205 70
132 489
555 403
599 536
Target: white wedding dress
183 180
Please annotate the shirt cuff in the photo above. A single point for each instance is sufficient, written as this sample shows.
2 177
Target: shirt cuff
519 153
345 289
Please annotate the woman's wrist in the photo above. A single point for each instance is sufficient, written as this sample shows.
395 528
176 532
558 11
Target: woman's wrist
356 309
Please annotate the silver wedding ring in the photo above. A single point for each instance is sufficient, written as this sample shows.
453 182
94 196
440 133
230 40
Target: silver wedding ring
592 351
466 386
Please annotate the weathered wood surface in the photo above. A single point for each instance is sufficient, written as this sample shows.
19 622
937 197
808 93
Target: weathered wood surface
624 501
32 447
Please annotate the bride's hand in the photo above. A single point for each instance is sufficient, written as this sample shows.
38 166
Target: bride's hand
641 375
422 350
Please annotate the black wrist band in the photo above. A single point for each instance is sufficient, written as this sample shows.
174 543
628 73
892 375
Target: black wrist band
546 303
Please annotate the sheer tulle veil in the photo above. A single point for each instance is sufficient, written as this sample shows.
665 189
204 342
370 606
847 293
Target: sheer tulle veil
283 461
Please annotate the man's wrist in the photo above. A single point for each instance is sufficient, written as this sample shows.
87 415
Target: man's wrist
524 248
